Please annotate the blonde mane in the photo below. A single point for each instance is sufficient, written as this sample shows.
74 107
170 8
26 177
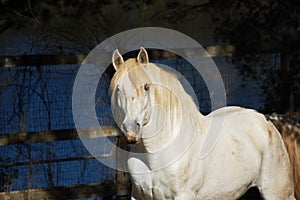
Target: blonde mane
167 90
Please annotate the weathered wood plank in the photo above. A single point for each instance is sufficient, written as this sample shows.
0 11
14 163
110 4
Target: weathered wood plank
38 162
226 50
58 135
106 189
39 60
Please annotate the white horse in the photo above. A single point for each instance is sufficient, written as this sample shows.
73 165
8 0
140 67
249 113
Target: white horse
156 114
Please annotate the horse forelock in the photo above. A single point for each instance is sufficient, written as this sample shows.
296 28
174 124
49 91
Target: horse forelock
127 66
132 74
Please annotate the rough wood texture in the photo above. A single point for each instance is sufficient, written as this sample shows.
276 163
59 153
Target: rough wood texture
106 190
50 136
39 60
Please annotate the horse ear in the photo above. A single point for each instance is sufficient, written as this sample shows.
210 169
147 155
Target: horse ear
117 59
143 56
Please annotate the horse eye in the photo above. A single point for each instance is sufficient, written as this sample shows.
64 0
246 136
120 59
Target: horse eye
146 86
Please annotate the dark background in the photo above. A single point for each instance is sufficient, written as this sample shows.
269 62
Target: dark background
257 45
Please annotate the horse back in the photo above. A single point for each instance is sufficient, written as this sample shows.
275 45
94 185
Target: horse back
250 146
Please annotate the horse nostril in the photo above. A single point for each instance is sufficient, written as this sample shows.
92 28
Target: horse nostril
130 126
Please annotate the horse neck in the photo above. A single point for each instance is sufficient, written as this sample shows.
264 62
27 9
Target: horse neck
178 115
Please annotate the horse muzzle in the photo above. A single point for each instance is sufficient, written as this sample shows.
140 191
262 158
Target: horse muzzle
131 137
131 130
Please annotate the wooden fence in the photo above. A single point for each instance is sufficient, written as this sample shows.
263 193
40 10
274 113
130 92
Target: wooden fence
119 188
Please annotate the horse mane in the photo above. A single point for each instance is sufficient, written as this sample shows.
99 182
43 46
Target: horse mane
172 87
289 128
168 91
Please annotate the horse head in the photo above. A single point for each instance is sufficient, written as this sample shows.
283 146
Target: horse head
130 93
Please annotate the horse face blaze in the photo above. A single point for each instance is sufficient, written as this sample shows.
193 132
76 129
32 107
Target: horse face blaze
135 109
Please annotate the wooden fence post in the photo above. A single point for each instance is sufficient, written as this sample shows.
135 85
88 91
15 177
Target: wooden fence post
122 177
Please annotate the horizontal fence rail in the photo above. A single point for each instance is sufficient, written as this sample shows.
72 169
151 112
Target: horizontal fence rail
119 189
58 135
39 60
108 189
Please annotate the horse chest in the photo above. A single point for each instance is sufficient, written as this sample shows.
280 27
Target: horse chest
161 185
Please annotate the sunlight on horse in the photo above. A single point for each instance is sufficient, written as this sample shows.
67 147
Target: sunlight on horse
155 114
